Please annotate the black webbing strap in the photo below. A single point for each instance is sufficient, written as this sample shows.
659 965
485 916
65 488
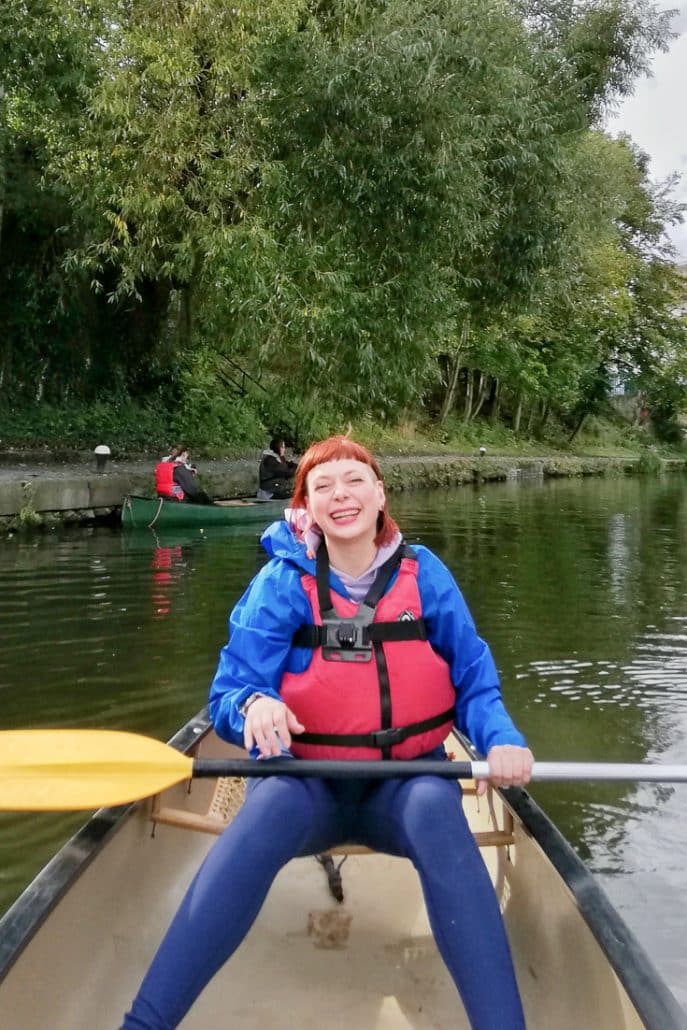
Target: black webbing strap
383 739
324 595
317 636
412 629
384 574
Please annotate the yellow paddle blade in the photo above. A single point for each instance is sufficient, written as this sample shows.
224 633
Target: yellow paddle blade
54 770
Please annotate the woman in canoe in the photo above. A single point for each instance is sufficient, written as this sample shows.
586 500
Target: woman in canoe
349 644
177 480
276 472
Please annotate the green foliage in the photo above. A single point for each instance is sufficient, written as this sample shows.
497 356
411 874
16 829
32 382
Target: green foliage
123 425
649 463
358 204
497 438
411 171
209 414
601 46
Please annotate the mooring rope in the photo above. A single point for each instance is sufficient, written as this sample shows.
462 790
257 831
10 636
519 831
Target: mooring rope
155 516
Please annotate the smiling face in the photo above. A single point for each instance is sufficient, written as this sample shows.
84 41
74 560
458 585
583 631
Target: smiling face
344 499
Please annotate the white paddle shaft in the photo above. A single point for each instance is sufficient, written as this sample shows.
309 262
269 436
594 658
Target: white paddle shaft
638 771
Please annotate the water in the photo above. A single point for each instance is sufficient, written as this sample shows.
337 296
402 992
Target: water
579 586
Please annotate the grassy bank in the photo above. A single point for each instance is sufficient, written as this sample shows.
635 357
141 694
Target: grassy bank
135 430
601 438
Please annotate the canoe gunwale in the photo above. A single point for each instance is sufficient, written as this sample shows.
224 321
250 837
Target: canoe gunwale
652 998
31 909
655 1004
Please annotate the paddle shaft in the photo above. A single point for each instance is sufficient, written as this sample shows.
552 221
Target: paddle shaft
612 771
56 770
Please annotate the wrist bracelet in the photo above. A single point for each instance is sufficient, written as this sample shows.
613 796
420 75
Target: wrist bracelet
243 710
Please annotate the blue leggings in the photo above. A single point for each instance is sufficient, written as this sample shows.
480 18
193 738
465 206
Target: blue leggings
419 818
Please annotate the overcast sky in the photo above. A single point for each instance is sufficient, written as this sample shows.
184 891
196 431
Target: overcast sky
655 115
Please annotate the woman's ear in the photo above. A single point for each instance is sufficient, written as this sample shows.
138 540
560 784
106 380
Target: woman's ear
308 521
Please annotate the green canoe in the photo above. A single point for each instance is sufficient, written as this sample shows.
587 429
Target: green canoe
153 512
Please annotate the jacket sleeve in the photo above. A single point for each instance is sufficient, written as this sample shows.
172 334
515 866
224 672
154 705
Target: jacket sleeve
255 657
480 711
186 480
272 470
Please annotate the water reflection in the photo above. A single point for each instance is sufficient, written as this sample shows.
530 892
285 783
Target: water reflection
166 565
579 586
580 589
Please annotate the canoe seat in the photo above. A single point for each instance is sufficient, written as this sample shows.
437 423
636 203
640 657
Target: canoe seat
227 798
225 802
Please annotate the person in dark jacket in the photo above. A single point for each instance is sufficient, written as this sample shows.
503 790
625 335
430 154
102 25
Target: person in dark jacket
276 472
186 476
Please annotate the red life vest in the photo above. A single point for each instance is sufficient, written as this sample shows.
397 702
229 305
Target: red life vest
375 688
164 481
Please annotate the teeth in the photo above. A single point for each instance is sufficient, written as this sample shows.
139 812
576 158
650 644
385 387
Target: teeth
344 515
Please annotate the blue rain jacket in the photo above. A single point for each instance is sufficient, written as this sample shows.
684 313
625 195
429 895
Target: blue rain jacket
273 607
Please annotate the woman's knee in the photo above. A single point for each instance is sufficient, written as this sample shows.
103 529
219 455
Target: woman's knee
427 806
430 794
281 802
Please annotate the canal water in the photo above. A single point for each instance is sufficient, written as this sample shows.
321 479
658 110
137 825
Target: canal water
579 586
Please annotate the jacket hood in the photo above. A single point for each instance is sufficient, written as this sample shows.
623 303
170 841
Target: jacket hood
280 541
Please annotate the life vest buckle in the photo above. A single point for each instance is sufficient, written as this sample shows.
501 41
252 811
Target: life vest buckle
387 738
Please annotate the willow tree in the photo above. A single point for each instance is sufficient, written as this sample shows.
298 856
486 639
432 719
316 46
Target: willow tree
163 166
587 55
47 51
335 191
410 174
311 186
610 303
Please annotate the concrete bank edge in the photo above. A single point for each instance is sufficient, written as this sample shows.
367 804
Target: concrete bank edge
46 499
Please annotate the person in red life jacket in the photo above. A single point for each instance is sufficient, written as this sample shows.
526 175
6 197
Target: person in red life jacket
348 643
177 480
165 486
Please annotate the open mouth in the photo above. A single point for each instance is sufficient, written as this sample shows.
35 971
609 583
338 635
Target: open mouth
343 516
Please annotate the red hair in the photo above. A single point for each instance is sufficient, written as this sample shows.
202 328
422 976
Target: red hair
337 448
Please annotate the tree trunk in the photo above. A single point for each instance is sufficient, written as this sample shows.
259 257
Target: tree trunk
482 391
2 161
5 366
580 423
518 415
450 396
469 390
185 318
495 400
544 414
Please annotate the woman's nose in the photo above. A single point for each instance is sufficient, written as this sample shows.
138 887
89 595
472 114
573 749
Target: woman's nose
340 489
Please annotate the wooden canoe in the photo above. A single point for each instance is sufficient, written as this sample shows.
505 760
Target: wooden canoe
156 512
75 945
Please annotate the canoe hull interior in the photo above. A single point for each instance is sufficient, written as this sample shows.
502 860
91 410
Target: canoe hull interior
308 961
